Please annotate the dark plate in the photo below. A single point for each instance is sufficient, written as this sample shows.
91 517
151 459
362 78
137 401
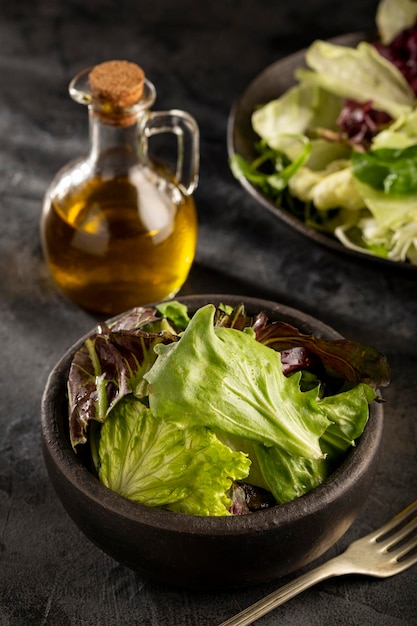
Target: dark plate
271 83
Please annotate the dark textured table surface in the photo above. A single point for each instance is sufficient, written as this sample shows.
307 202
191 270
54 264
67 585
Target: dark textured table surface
200 55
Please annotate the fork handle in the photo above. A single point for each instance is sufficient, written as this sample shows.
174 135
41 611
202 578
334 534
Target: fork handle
333 567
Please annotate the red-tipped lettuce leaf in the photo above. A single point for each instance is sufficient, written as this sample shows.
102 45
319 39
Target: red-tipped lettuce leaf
108 366
135 318
341 358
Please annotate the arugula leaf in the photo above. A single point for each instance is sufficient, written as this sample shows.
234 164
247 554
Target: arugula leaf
281 169
153 462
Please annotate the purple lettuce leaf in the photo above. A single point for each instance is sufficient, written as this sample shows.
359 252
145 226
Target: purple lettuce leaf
342 359
135 318
109 365
351 361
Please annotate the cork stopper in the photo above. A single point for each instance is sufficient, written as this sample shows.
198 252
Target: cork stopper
117 85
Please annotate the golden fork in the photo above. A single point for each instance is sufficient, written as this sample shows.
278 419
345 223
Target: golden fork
387 551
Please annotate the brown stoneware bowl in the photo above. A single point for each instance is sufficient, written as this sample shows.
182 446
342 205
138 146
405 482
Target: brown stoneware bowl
209 552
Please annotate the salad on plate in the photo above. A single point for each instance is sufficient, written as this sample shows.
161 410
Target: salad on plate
220 412
339 147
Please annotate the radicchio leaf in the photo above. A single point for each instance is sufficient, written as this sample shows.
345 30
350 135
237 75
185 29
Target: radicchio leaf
402 52
360 121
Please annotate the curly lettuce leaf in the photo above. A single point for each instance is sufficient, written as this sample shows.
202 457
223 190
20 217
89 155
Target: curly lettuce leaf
360 74
155 463
224 379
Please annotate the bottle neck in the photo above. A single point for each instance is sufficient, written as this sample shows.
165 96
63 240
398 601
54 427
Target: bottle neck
114 149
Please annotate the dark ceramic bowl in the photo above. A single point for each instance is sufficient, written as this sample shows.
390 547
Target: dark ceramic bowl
209 552
268 85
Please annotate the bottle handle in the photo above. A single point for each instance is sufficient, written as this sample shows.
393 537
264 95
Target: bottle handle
186 130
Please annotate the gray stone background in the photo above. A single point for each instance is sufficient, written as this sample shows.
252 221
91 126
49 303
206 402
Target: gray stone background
200 55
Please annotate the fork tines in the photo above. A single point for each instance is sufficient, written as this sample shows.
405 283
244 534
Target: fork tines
399 535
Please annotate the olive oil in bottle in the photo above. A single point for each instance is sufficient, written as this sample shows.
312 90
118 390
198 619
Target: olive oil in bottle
117 231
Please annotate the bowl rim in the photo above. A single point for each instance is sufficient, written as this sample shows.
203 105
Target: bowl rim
63 456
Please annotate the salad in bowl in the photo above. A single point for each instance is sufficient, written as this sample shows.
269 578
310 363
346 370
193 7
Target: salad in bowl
217 413
162 427
339 147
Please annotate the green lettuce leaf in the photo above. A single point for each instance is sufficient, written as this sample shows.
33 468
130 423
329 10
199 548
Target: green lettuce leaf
153 462
390 211
348 412
176 312
289 476
360 73
283 121
401 133
393 16
331 188
392 229
224 379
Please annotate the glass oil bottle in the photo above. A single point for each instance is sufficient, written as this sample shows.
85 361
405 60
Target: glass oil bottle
119 229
